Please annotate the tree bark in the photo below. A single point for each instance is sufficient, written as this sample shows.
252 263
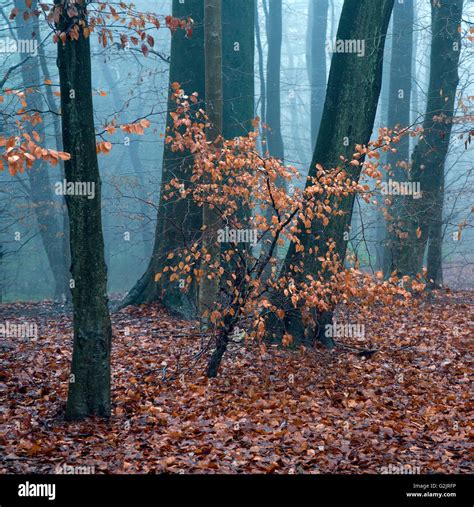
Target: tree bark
349 111
209 284
422 217
273 109
435 242
261 73
89 387
399 105
238 47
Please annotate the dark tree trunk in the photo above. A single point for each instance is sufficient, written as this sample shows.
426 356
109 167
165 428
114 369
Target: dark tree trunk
435 242
349 111
399 114
238 43
216 358
238 72
273 135
89 387
422 217
46 206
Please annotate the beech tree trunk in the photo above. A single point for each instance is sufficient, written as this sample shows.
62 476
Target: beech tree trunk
349 111
273 109
422 218
209 284
261 75
238 48
89 383
399 106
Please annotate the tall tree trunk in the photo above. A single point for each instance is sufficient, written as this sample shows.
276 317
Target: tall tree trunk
316 61
89 387
273 109
349 112
238 72
399 104
273 136
382 121
422 217
179 220
435 241
46 205
209 284
238 47
261 74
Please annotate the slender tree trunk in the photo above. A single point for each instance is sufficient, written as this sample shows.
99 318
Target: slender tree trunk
238 73
261 73
45 203
422 217
209 284
89 387
398 114
274 137
348 118
435 241
273 109
316 61
382 121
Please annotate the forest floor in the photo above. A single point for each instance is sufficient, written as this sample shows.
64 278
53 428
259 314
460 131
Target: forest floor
275 410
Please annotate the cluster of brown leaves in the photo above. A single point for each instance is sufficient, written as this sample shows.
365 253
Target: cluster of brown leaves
22 150
283 411
231 175
137 127
73 17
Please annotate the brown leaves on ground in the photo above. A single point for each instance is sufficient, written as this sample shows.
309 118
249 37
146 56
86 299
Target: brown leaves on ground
273 411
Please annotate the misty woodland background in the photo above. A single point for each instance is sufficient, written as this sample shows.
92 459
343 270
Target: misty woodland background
224 356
